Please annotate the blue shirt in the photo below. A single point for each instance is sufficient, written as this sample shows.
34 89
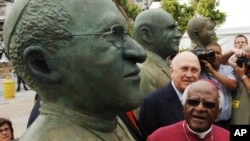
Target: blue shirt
227 71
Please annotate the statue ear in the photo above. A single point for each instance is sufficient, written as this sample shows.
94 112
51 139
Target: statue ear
196 34
39 63
146 34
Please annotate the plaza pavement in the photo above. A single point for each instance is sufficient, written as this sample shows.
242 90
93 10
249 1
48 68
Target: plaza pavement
17 109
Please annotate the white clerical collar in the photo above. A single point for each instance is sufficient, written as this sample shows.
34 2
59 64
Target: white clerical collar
202 135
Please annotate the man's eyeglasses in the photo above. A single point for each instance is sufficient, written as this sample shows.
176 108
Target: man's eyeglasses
206 104
4 130
115 35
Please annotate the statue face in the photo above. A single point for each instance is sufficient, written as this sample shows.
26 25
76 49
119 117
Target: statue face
167 38
102 73
207 32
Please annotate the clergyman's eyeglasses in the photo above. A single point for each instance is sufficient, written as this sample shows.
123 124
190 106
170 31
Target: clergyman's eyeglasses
206 104
4 130
115 35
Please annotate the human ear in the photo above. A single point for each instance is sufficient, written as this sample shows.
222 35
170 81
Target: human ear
218 115
146 34
38 61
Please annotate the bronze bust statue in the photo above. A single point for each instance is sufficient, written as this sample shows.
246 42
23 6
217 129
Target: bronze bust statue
156 31
201 31
77 55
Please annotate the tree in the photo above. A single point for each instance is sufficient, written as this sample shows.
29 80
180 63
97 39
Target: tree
182 13
128 11
208 8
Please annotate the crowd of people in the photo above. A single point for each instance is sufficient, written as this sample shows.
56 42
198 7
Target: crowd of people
94 82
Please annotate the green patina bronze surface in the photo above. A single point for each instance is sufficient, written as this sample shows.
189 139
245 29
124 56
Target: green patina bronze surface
201 31
155 30
75 54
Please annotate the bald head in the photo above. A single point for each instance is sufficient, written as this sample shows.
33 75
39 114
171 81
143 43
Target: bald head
156 31
185 69
185 57
151 17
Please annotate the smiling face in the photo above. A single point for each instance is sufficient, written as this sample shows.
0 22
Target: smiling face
200 117
216 61
185 72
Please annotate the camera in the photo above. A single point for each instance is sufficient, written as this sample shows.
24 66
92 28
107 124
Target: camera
202 53
243 60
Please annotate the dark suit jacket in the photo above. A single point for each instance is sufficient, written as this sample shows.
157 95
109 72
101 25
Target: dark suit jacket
138 134
160 108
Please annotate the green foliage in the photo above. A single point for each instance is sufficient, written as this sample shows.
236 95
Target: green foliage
182 13
123 3
207 8
133 11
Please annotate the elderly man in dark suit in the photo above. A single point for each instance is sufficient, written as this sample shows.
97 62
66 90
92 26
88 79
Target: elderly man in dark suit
163 106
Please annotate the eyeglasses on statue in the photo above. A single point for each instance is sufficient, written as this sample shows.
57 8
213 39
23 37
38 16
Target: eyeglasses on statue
206 104
115 35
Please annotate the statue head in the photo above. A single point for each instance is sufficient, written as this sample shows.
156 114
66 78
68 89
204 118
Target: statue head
155 30
76 54
201 31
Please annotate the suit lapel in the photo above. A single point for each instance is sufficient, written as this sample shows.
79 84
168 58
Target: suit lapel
174 102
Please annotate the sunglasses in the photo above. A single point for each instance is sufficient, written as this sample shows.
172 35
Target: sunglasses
206 104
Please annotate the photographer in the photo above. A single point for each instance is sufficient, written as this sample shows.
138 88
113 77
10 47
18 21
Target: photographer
223 76
241 97
239 42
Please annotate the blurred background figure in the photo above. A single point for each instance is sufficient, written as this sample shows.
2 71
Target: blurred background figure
241 97
6 130
19 81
